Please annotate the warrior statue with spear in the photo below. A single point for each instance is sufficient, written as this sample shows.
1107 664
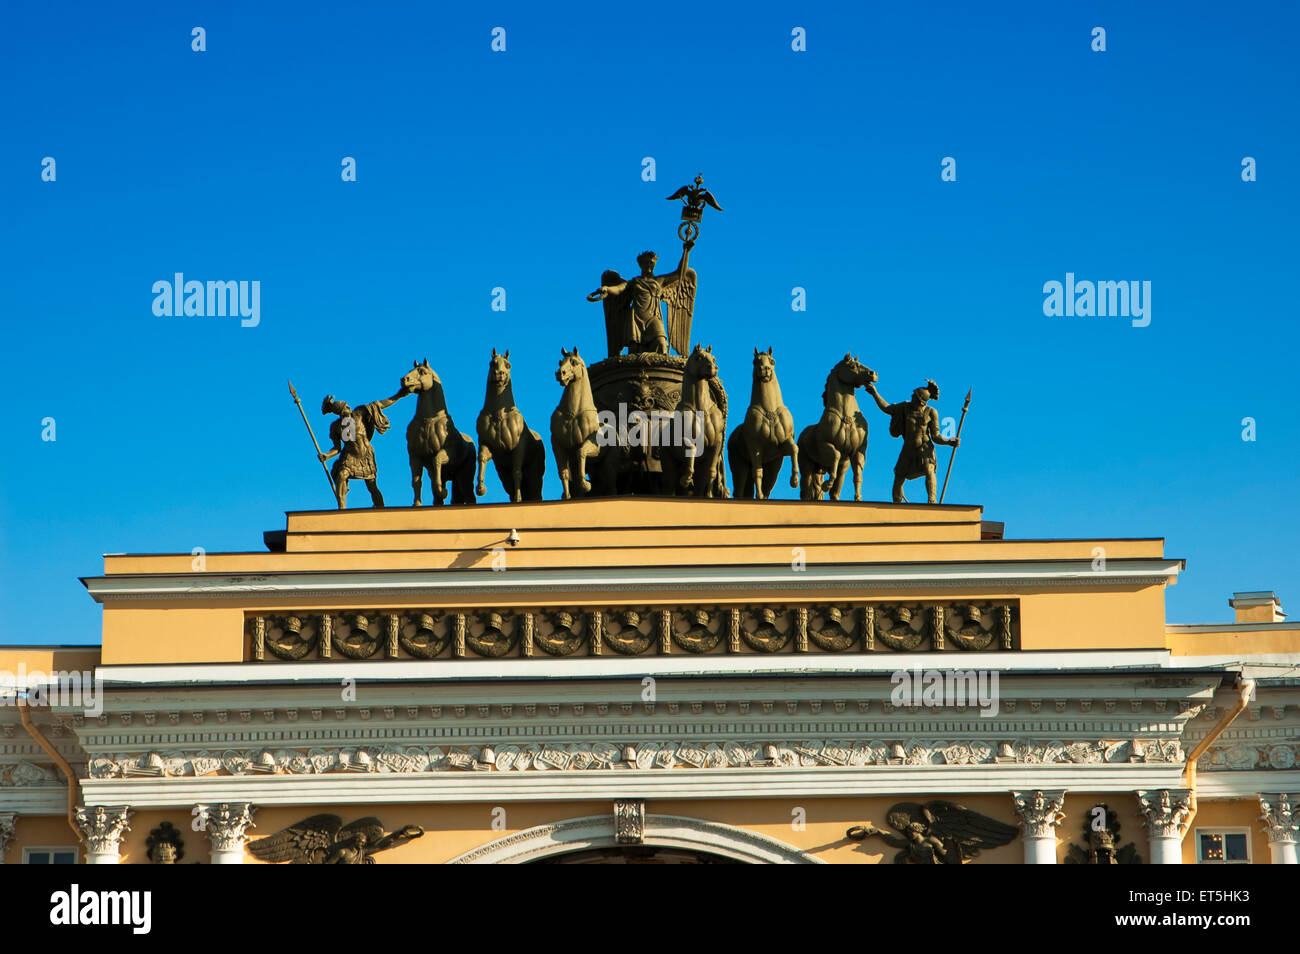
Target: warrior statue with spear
918 425
351 434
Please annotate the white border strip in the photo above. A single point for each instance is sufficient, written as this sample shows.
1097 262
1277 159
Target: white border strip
207 585
560 786
1115 662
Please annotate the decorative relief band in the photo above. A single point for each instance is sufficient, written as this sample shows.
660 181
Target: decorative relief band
635 631
607 754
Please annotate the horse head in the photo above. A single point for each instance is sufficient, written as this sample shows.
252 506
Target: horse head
701 363
853 373
420 378
571 368
764 366
499 370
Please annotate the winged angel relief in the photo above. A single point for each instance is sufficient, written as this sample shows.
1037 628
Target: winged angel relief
937 833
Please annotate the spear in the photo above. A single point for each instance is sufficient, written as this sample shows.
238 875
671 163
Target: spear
328 477
964 408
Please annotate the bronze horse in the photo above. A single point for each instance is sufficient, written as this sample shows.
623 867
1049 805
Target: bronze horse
758 444
434 444
504 438
574 426
839 439
704 405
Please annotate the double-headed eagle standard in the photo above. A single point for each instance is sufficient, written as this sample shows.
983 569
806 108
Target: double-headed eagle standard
635 307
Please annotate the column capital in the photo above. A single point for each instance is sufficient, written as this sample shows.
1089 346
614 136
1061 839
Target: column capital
102 826
1165 810
7 821
226 824
1040 812
1280 818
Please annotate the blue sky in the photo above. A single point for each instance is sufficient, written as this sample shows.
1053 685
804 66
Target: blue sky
522 170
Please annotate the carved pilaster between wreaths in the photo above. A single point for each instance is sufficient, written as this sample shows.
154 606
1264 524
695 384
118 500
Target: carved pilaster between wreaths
1004 626
733 630
393 649
526 623
629 822
258 648
458 626
596 624
325 640
869 627
801 629
665 618
936 627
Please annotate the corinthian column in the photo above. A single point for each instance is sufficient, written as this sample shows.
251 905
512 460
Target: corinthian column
1164 813
7 820
1283 827
1040 813
102 828
226 825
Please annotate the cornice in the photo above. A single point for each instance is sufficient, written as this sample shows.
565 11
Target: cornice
743 580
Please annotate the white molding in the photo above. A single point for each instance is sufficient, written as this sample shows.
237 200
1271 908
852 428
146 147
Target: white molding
731 783
1230 627
34 799
793 665
667 831
743 580
1245 783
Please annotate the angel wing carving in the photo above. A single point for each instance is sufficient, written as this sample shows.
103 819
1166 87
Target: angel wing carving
937 833
304 843
680 299
324 840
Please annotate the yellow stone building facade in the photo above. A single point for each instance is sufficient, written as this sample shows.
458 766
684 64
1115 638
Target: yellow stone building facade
656 680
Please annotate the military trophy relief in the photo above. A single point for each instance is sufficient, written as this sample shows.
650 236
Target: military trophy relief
900 626
649 418
165 845
434 739
1101 843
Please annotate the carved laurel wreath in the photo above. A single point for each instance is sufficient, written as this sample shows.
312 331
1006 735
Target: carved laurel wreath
829 628
632 634
562 633
420 636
